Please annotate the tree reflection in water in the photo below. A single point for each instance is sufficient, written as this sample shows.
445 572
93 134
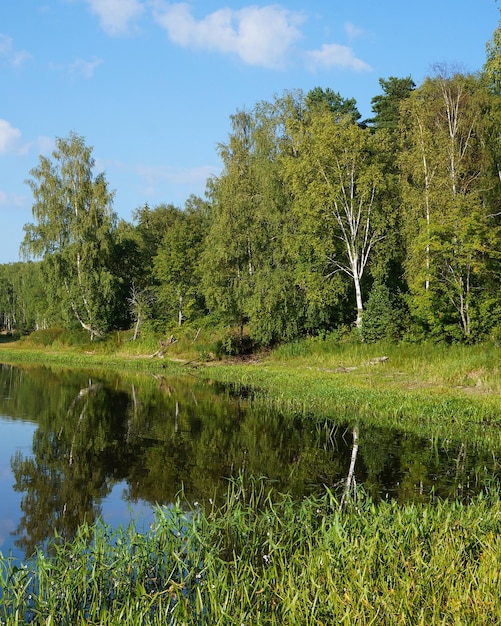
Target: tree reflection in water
161 435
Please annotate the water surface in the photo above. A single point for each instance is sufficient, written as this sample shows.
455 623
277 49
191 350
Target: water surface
76 445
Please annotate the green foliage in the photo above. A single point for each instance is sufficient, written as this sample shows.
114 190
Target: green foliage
232 344
333 102
451 232
271 561
72 234
176 264
249 274
46 337
386 106
336 177
383 316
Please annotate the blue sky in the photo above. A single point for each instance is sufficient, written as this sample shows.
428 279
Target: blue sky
151 84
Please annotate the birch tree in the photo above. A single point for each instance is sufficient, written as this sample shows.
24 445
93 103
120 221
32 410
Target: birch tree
337 181
247 270
72 234
450 233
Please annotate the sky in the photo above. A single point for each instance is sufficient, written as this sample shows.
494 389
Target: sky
151 85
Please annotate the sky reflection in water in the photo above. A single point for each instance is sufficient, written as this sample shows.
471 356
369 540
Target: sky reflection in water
75 446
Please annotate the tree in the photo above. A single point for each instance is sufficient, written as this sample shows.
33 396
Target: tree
175 265
318 98
249 269
451 234
23 303
73 234
382 316
151 228
228 262
387 106
336 179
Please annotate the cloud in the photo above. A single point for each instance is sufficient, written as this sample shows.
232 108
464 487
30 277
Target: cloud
115 16
14 57
10 138
79 67
353 31
11 141
84 68
262 36
336 55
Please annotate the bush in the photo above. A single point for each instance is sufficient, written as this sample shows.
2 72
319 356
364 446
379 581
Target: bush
45 337
383 316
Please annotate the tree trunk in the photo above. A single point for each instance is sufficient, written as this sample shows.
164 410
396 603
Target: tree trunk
137 327
351 483
359 300
180 311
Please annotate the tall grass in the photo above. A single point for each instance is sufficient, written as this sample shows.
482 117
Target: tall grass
319 395
425 363
260 559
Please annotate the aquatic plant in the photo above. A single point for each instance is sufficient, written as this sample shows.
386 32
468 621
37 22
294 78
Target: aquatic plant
259 559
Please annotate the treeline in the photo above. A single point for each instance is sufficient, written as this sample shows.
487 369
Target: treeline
319 221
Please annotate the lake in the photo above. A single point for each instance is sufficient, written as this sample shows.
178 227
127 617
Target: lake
78 445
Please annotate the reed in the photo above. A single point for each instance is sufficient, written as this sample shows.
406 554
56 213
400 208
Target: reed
433 412
265 559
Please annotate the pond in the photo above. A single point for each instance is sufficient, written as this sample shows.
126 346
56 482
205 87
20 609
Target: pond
77 445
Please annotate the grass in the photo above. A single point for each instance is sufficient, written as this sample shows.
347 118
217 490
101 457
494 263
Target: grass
260 559
427 389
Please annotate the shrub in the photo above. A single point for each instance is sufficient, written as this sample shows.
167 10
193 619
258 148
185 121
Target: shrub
383 316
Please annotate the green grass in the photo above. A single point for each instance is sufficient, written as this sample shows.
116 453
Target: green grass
269 560
430 390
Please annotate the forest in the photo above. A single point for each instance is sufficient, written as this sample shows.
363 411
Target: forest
319 222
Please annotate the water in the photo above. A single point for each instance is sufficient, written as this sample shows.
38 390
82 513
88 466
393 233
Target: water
76 445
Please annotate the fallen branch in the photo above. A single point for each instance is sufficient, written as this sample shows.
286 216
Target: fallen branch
378 359
164 344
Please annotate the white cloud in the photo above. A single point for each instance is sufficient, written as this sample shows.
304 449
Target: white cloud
116 16
261 36
10 138
336 55
85 68
11 141
7 51
353 31
79 67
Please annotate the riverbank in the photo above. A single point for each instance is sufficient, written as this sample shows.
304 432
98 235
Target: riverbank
259 560
272 560
432 390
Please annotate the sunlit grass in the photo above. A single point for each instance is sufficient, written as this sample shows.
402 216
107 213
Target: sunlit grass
411 364
269 560
431 390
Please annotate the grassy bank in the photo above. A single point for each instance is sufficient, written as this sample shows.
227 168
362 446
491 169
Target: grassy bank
259 560
271 560
431 390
